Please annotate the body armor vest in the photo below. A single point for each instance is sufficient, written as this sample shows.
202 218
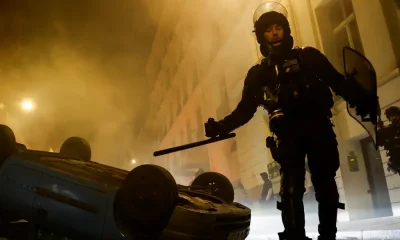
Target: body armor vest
289 91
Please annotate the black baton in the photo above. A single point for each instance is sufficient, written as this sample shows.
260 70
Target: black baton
192 145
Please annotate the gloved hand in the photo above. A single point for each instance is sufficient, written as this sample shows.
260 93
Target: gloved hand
393 168
381 124
214 128
368 108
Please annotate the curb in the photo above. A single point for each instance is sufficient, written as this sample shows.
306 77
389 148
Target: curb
370 234
342 235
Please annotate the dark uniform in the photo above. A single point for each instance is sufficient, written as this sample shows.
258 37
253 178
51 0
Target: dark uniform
293 86
389 138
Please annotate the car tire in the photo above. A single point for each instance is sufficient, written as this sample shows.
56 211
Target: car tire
7 143
76 147
220 185
144 204
8 217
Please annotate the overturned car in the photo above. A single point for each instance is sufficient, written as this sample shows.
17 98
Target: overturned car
68 195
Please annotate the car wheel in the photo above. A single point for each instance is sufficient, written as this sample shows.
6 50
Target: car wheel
219 184
8 217
76 147
144 204
7 142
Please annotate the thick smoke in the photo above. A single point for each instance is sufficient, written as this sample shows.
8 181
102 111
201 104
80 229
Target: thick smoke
81 62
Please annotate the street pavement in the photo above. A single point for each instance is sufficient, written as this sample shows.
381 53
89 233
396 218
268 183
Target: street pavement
388 228
266 226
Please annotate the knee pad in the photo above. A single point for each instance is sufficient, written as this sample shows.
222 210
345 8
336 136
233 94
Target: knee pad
292 190
292 182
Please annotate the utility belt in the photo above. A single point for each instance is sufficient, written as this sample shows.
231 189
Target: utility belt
280 121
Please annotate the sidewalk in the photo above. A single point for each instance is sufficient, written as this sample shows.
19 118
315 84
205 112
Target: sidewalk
387 228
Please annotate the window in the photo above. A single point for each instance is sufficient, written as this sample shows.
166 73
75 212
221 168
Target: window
194 76
215 41
233 146
188 131
391 12
185 93
179 51
200 126
172 114
187 36
179 103
168 75
338 27
182 137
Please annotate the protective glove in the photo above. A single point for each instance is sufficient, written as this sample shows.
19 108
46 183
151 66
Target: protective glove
381 124
214 128
368 108
393 168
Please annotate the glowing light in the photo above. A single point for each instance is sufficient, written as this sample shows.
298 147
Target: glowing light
133 161
27 105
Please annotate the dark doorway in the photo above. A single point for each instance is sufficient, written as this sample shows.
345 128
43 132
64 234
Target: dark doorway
376 178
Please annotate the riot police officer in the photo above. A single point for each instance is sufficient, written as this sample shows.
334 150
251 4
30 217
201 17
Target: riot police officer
389 138
293 86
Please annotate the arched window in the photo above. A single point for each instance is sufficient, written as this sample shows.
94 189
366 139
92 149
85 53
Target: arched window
188 131
199 124
184 91
179 102
194 75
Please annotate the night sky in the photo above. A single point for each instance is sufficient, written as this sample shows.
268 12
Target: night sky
81 62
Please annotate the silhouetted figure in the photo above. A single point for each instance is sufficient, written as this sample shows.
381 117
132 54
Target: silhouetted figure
267 190
294 86
389 138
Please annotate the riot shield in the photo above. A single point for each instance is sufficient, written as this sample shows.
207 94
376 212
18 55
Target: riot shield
358 68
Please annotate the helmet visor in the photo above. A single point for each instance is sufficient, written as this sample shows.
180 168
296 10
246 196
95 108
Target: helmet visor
269 7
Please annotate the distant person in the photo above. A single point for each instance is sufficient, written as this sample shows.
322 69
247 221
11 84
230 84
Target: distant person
267 191
389 138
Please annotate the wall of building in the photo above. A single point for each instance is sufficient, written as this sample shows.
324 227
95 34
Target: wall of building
218 49
373 34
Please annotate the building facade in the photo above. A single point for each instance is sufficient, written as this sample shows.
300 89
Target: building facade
200 57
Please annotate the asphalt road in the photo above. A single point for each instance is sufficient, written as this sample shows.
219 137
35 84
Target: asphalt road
267 227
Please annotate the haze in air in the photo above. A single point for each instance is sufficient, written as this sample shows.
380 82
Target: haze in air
81 63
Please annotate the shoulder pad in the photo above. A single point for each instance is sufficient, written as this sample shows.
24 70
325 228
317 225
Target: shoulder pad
255 68
310 53
310 50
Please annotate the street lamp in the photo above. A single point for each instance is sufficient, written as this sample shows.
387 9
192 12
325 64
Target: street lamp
27 105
